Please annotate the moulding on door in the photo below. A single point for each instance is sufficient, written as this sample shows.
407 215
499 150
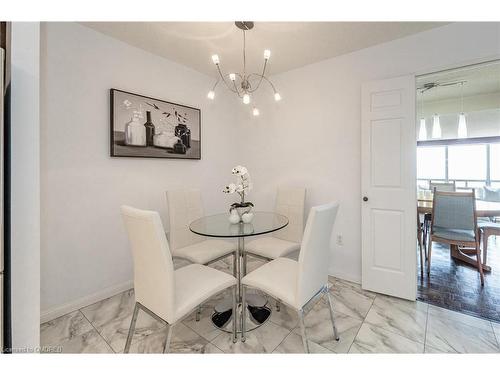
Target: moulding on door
56 312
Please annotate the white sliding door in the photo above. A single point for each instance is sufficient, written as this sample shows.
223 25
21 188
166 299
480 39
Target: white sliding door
388 180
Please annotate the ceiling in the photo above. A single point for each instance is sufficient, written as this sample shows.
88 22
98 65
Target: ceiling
478 79
292 44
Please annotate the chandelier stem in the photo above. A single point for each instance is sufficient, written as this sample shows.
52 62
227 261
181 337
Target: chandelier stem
244 56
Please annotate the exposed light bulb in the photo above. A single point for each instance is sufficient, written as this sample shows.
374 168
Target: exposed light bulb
256 111
211 95
436 127
232 77
277 96
422 133
246 98
267 54
215 59
462 126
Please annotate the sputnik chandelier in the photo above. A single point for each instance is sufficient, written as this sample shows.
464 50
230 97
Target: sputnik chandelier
244 84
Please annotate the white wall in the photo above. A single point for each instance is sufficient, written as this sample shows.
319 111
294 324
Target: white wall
85 253
25 185
312 137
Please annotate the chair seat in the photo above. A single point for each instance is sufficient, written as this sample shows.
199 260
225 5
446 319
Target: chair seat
271 247
205 251
488 225
277 278
196 283
454 234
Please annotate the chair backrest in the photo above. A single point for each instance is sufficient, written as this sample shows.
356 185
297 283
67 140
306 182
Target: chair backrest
184 206
290 202
314 258
442 186
153 266
454 210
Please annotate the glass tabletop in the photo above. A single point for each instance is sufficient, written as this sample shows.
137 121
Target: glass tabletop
219 225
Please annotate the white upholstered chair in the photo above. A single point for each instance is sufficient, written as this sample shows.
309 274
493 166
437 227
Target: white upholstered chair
185 206
296 283
163 293
289 202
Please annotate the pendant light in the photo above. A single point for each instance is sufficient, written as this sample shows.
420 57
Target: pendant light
436 126
422 132
462 123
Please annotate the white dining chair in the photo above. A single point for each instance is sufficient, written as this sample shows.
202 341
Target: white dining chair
290 203
296 283
185 206
166 294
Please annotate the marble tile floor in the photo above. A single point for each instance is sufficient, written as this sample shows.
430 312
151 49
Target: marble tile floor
367 323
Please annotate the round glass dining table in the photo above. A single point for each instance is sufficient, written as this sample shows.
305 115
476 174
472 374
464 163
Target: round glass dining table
220 227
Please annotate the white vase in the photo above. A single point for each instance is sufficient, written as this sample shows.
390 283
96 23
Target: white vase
247 217
234 218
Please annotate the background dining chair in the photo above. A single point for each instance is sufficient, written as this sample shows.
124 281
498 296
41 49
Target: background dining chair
290 203
296 283
442 186
487 229
454 222
185 206
161 292
439 186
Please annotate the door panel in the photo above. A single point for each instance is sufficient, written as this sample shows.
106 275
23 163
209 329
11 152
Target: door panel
386 166
388 182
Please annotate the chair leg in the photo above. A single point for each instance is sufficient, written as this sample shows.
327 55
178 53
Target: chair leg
198 313
335 332
235 315
419 233
429 253
485 247
278 305
243 314
479 263
166 347
132 328
303 331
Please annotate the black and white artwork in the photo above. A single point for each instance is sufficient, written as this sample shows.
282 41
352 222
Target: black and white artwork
152 128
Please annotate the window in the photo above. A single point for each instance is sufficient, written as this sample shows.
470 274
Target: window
467 162
431 163
495 162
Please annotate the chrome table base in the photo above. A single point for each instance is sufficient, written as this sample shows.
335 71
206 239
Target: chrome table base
258 315
256 304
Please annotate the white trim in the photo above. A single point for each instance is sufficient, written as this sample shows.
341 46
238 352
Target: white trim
79 303
345 276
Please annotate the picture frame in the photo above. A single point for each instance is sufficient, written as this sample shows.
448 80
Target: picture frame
146 127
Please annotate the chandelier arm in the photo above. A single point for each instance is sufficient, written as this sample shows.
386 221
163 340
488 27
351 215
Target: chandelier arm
223 79
236 89
263 77
215 85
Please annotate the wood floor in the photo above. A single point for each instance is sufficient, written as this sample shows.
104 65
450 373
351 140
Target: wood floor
456 286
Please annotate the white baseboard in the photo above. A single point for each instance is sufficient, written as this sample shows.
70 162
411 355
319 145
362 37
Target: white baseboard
345 276
79 303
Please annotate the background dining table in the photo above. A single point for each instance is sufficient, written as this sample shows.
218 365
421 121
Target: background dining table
483 209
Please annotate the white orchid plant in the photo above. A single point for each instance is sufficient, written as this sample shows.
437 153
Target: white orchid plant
242 185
